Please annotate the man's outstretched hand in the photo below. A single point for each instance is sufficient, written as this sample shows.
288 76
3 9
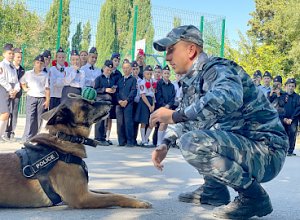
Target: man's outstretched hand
158 155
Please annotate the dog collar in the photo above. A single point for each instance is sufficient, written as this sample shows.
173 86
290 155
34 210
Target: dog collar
76 139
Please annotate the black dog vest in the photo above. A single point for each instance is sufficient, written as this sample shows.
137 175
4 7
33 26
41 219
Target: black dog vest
38 160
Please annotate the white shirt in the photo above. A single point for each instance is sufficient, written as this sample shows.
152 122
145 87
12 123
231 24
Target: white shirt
74 78
91 75
138 96
56 79
144 90
37 83
178 91
8 76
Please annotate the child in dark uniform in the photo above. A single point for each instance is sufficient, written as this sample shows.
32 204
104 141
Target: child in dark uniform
165 97
146 104
126 92
104 85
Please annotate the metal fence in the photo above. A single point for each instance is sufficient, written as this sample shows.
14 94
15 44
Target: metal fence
164 19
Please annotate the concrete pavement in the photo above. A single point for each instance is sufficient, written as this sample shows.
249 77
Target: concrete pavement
130 171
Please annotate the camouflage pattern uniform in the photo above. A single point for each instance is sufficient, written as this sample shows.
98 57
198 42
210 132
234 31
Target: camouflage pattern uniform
228 129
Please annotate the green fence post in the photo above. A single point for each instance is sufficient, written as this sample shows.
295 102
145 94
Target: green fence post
165 62
202 24
223 39
134 31
59 24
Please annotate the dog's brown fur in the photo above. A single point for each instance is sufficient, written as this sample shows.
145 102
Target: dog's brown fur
68 180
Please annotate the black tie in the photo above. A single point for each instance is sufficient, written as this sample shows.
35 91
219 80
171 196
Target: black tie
92 67
62 69
11 66
45 70
77 71
179 84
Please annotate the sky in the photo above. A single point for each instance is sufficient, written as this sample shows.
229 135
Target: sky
236 13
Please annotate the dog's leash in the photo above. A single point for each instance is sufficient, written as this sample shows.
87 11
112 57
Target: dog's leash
77 139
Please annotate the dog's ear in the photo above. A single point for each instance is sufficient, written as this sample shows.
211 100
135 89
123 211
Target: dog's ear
59 115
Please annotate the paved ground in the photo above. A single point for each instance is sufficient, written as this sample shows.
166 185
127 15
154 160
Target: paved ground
130 171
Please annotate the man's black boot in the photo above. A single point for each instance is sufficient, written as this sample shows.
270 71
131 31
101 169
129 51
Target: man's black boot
253 201
210 193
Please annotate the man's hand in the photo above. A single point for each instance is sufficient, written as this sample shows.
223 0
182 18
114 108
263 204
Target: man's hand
158 155
46 104
12 93
162 115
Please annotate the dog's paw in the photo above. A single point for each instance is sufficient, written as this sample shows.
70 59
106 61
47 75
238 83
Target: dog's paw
144 204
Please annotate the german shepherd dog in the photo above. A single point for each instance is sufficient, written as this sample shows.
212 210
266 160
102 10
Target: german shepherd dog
73 118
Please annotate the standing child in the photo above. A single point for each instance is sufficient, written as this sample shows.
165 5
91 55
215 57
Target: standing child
104 85
75 77
83 57
146 105
36 83
165 97
9 87
91 71
14 103
57 75
126 91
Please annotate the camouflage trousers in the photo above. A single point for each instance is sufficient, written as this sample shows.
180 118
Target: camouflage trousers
231 159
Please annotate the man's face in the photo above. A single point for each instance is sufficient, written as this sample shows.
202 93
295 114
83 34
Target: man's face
107 70
116 62
166 75
92 58
277 85
38 66
8 55
61 58
290 88
126 69
135 71
18 58
267 80
178 57
75 61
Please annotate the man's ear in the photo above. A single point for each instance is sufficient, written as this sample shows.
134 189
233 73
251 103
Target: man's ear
59 115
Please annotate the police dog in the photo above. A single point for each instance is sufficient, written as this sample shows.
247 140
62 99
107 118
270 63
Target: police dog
68 180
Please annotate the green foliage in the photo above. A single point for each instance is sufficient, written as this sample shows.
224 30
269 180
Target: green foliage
115 27
77 38
86 36
49 35
176 22
15 19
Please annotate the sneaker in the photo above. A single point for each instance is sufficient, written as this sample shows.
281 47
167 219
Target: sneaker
109 142
247 204
12 137
129 145
103 143
5 138
291 154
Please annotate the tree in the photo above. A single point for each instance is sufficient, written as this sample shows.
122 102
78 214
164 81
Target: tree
105 36
277 23
49 35
77 38
176 22
15 19
86 36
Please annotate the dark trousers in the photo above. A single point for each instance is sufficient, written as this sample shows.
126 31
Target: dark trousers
291 131
100 130
135 124
125 124
34 110
13 116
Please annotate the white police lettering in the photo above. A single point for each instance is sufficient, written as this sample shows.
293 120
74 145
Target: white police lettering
45 161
